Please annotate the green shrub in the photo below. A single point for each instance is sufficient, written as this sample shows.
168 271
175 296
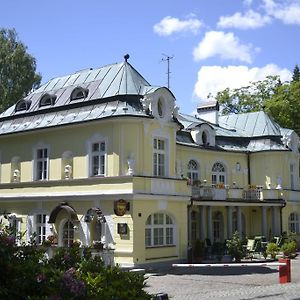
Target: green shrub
25 270
289 248
235 247
272 250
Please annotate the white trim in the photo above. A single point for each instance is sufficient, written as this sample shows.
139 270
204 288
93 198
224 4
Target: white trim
40 145
96 138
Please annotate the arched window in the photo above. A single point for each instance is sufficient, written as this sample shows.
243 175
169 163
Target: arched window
193 171
79 93
294 223
218 226
218 174
68 234
47 100
22 105
159 230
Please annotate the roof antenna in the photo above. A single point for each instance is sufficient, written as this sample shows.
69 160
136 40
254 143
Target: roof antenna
167 59
126 57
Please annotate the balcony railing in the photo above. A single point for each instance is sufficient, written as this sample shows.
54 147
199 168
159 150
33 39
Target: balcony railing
209 193
252 195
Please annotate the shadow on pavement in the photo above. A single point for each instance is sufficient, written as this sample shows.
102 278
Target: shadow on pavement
215 271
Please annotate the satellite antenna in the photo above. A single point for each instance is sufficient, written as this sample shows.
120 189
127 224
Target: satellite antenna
167 59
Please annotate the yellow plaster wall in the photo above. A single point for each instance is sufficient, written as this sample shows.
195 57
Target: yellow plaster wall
144 208
206 159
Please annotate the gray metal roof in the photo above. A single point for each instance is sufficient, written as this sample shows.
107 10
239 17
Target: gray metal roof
113 90
254 124
108 81
71 116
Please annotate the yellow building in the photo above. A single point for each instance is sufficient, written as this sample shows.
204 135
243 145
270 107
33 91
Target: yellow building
103 157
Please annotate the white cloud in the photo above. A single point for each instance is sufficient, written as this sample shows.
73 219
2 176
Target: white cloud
225 45
248 2
213 79
249 20
288 12
169 25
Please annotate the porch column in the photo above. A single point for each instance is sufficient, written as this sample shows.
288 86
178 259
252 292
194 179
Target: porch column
275 221
202 223
229 221
239 220
209 223
264 221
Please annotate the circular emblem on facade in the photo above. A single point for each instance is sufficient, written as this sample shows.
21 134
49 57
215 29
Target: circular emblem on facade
120 207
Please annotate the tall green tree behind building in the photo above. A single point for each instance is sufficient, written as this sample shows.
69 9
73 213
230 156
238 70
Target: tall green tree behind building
280 100
17 69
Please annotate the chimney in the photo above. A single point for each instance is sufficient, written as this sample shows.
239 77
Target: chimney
209 111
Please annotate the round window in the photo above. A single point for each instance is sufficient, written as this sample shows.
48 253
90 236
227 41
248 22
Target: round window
204 138
160 108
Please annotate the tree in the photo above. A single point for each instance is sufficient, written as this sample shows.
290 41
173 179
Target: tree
249 98
17 69
284 106
296 74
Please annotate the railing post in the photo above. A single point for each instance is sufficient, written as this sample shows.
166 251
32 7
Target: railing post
285 271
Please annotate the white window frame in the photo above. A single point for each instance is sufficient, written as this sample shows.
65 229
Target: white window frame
41 227
69 239
160 169
15 223
218 176
37 160
293 223
193 172
159 232
97 139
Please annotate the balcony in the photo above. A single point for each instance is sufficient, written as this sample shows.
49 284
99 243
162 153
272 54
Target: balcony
209 193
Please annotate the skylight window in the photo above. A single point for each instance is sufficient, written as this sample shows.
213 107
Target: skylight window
47 100
22 105
79 93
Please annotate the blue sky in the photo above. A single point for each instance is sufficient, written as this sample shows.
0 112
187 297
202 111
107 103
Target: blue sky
215 44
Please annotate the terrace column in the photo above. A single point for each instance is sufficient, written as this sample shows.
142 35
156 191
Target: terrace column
209 223
202 223
275 221
264 221
229 221
239 220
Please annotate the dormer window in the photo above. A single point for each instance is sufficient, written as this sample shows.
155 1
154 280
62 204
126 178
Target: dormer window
204 138
160 108
47 100
79 93
22 105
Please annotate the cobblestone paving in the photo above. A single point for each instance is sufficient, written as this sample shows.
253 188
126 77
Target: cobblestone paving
244 283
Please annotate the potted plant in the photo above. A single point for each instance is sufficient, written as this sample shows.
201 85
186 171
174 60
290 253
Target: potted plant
289 249
198 251
98 245
272 250
235 247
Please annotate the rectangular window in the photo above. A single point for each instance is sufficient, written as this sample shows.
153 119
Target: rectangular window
158 236
148 237
40 228
159 157
98 159
42 164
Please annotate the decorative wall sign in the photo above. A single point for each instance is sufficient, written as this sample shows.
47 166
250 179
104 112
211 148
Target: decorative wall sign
122 228
120 207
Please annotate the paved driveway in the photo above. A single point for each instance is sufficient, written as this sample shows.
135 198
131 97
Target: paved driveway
225 283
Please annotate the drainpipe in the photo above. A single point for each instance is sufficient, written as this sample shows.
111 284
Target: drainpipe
248 166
